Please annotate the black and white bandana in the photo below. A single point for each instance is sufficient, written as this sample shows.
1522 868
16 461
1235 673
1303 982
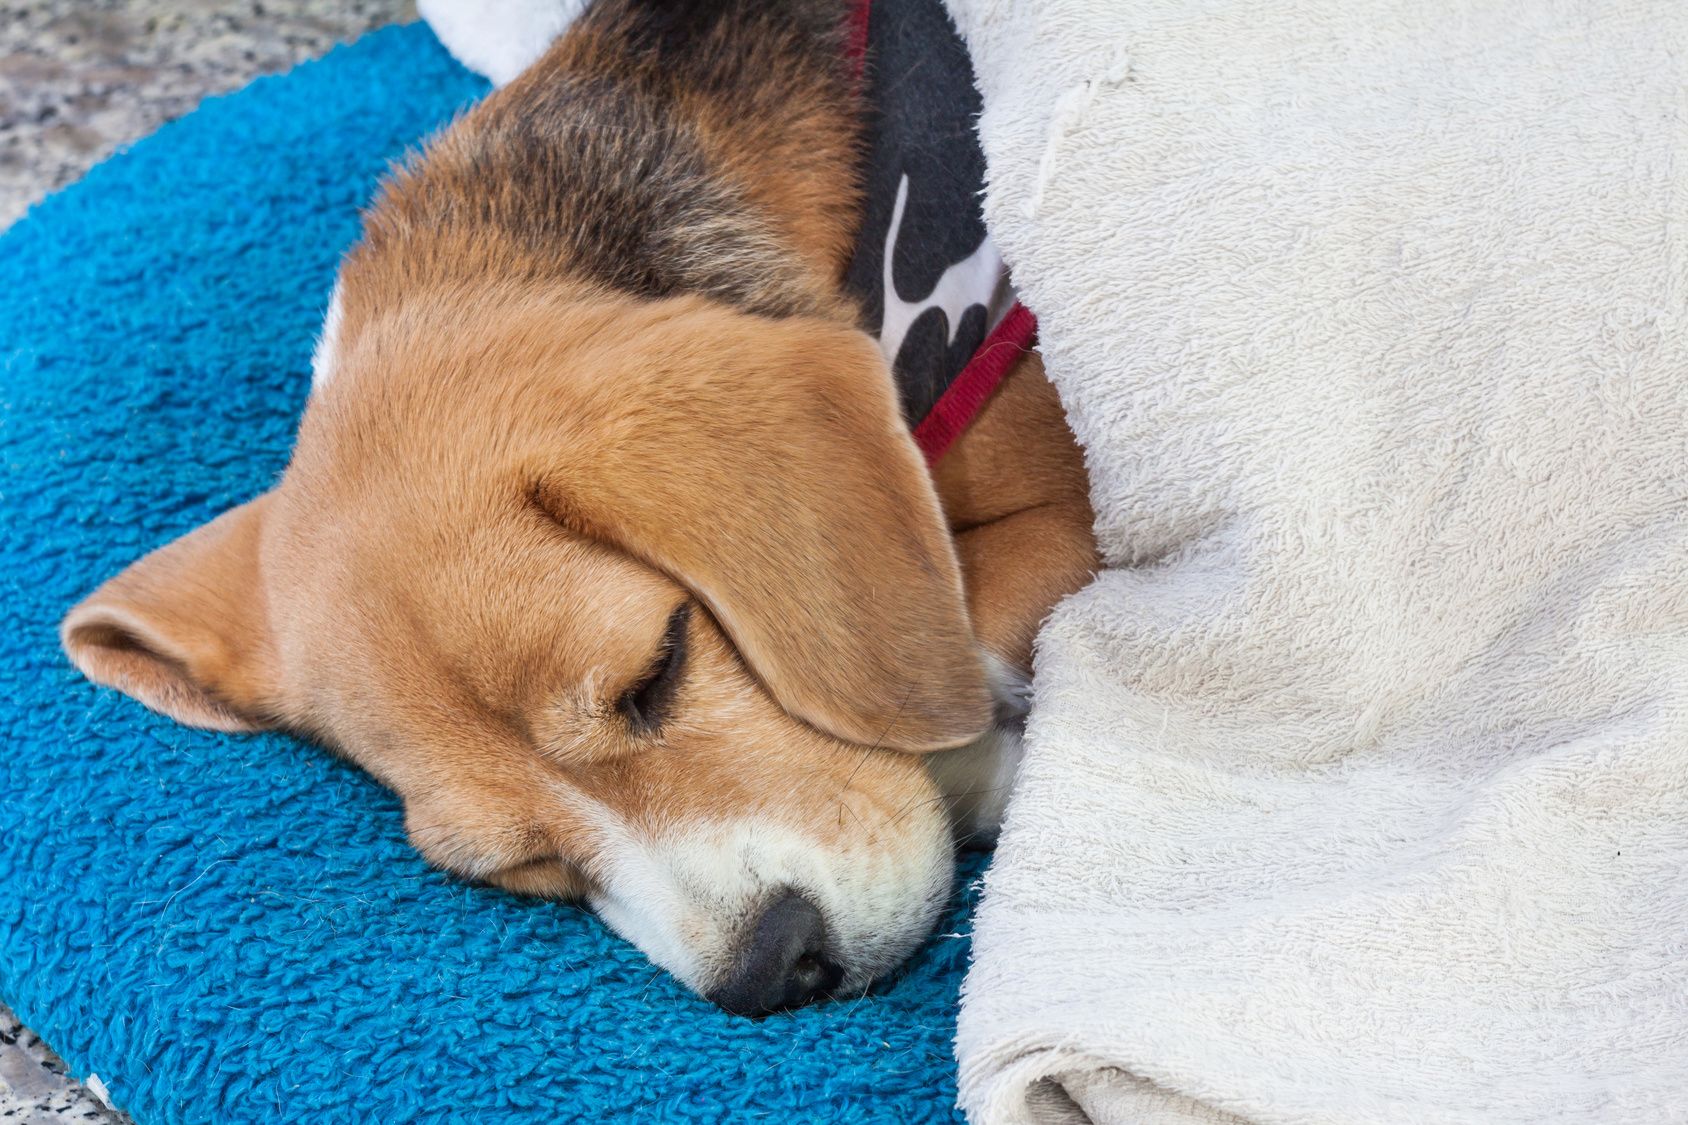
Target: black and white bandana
932 287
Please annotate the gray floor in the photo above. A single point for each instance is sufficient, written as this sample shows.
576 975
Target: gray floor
34 1088
78 80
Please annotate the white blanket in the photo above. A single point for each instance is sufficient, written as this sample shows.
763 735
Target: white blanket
1357 787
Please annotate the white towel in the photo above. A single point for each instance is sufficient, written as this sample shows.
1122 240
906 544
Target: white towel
1357 785
498 40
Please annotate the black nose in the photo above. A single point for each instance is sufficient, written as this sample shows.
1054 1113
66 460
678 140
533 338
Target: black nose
782 964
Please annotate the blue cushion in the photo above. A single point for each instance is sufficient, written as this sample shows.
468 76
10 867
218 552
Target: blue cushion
233 928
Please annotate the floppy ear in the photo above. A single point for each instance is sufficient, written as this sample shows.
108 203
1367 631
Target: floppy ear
184 629
764 465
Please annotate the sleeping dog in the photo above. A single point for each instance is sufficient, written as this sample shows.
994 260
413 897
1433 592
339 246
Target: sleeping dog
607 542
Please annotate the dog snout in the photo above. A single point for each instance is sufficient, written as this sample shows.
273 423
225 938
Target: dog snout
783 964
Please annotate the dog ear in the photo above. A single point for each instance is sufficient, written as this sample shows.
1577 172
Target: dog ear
764 465
184 629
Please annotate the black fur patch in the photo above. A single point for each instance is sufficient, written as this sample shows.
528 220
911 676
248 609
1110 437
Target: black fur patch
596 172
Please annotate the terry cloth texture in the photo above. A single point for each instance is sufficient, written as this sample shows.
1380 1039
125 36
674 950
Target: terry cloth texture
233 929
1357 785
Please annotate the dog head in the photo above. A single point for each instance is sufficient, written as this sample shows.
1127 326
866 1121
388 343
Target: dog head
647 604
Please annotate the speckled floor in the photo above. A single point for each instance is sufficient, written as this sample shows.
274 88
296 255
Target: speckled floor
34 1088
78 80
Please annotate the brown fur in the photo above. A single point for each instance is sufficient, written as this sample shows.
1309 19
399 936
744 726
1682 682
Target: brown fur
595 363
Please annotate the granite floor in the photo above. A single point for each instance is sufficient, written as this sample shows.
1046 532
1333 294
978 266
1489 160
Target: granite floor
78 80
35 1088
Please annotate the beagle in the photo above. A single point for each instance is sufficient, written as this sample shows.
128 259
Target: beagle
607 542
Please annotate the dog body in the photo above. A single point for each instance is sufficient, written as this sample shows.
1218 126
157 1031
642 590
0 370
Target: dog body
605 542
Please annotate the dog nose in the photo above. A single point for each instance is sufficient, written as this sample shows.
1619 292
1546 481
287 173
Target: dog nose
784 964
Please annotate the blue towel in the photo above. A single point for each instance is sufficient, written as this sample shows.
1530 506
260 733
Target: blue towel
233 929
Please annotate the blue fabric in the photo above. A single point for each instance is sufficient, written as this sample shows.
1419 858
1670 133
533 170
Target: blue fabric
233 928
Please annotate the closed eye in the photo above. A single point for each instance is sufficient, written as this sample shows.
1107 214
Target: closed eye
646 704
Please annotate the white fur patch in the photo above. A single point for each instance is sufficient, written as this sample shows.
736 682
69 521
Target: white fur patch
978 779
687 896
1011 686
327 354
500 40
